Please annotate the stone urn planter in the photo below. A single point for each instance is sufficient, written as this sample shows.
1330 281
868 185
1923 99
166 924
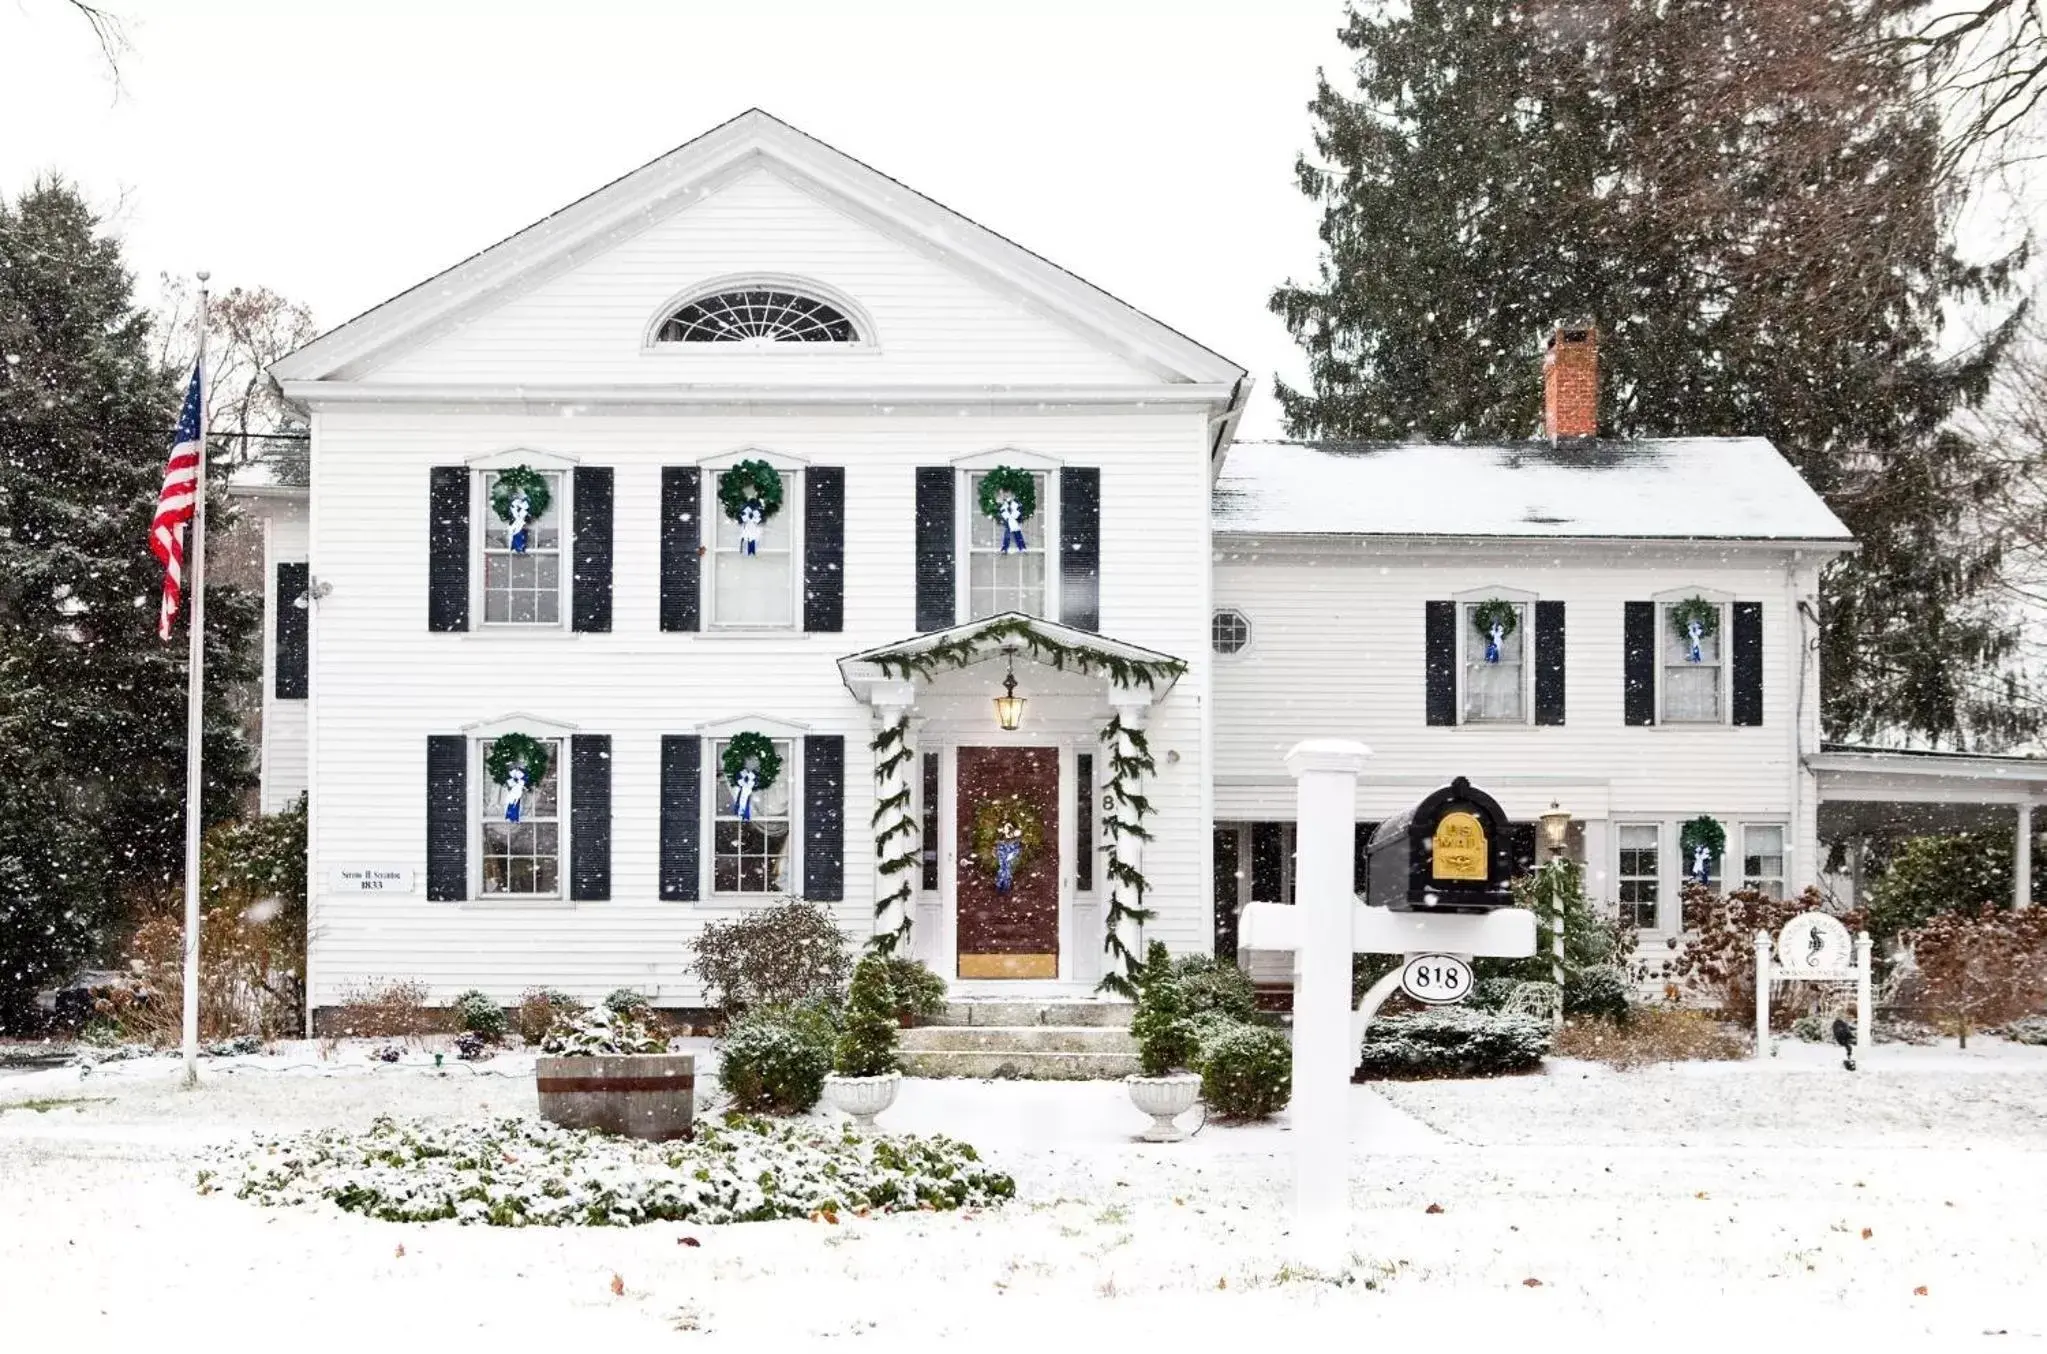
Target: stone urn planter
862 1097
1164 1099
637 1095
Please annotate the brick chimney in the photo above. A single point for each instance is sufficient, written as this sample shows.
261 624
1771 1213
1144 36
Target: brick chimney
1570 383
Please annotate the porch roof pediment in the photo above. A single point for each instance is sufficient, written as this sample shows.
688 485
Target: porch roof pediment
1120 664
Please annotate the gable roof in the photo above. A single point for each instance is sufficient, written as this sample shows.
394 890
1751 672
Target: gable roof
1679 488
626 205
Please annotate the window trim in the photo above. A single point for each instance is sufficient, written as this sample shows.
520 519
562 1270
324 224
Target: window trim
1522 598
1724 601
479 781
562 509
1662 890
712 512
709 796
1250 632
868 341
1740 834
966 507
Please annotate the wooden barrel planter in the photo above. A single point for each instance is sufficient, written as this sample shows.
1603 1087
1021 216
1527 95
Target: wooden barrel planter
637 1095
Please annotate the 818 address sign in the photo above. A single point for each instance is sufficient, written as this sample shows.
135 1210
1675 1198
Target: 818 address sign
1438 979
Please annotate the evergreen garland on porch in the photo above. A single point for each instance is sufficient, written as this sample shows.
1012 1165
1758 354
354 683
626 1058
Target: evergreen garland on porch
966 650
1123 814
892 819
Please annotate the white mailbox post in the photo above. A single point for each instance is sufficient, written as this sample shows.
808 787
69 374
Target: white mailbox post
1323 928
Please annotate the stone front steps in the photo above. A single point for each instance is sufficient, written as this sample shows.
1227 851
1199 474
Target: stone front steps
1031 1041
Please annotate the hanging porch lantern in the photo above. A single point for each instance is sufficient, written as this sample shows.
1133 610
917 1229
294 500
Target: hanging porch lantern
1009 707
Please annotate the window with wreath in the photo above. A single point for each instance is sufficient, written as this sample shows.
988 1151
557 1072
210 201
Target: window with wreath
1694 674
1762 858
758 316
521 825
1639 879
751 579
522 546
1007 554
1495 638
752 836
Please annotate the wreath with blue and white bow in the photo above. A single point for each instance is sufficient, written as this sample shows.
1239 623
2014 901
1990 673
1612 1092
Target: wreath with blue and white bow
1701 842
751 765
1006 831
751 493
518 763
1009 496
519 497
1495 619
1694 620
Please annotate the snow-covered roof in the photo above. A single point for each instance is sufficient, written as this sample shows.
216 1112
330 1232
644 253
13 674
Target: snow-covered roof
1678 488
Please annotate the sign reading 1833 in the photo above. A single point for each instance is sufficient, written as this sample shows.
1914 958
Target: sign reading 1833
372 879
1438 979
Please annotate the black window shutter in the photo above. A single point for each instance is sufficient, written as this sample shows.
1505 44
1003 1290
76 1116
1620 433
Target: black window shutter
681 534
1638 657
824 818
447 818
1549 662
682 759
447 551
589 815
936 548
590 583
824 548
1080 547
1268 862
1439 649
1748 663
294 610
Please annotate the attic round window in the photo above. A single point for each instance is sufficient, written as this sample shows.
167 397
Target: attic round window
758 315
1229 632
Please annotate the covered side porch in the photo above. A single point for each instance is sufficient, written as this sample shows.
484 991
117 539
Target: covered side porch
1013 771
1871 793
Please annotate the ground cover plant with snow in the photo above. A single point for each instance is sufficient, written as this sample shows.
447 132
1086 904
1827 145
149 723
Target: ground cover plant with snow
520 1172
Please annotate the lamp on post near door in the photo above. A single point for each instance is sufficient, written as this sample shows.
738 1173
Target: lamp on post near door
1009 707
1556 829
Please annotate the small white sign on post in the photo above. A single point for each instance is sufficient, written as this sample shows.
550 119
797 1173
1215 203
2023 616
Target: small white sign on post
371 879
1813 947
1437 979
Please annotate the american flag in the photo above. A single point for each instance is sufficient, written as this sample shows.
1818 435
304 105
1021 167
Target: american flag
174 507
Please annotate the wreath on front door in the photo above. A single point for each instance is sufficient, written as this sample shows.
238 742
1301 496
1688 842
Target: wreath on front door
1006 831
519 497
751 493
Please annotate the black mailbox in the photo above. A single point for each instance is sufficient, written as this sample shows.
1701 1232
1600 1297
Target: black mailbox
1449 853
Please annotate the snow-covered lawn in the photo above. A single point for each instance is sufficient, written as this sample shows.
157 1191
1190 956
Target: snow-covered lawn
1678 1207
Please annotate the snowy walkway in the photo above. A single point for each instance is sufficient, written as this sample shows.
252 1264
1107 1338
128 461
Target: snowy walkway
1681 1206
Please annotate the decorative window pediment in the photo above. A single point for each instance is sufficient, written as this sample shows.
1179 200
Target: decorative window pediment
519 722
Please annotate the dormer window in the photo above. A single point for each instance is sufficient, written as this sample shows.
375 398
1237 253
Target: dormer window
758 316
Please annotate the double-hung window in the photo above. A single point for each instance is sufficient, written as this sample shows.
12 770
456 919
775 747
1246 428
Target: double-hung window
1640 876
1495 666
756 590
523 859
1762 858
523 587
752 852
1012 580
1694 684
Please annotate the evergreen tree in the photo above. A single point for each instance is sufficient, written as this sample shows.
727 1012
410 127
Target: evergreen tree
92 704
1748 198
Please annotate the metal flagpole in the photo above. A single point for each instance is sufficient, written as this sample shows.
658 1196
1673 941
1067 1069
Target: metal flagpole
195 712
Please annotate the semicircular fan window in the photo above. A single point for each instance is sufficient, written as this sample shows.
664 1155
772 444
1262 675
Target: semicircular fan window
758 315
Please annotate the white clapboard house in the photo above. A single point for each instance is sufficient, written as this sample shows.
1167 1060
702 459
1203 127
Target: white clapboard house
737 493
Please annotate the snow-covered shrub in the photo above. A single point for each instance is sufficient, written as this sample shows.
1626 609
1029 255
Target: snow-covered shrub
384 1010
600 1032
1813 1028
867 1045
776 1059
1165 1038
2027 1030
1980 971
1452 1041
240 1046
1208 984
625 1001
777 957
1490 994
525 1173
1600 991
471 1047
1247 1070
539 1008
477 1014
920 993
1536 998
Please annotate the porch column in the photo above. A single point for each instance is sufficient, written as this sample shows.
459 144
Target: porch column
896 837
2022 859
1126 846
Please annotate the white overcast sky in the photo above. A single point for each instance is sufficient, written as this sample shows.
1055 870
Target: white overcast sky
341 150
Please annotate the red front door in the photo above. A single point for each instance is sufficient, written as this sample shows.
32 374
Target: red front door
1008 932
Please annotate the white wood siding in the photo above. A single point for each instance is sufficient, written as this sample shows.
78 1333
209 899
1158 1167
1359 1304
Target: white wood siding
932 323
382 683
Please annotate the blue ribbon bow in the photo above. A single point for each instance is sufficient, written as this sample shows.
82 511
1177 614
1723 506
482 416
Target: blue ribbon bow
1006 855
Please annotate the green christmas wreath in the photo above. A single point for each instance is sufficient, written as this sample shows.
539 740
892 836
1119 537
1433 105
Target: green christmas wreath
1495 611
1701 831
509 484
1006 818
756 748
1018 484
750 481
1682 614
516 751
